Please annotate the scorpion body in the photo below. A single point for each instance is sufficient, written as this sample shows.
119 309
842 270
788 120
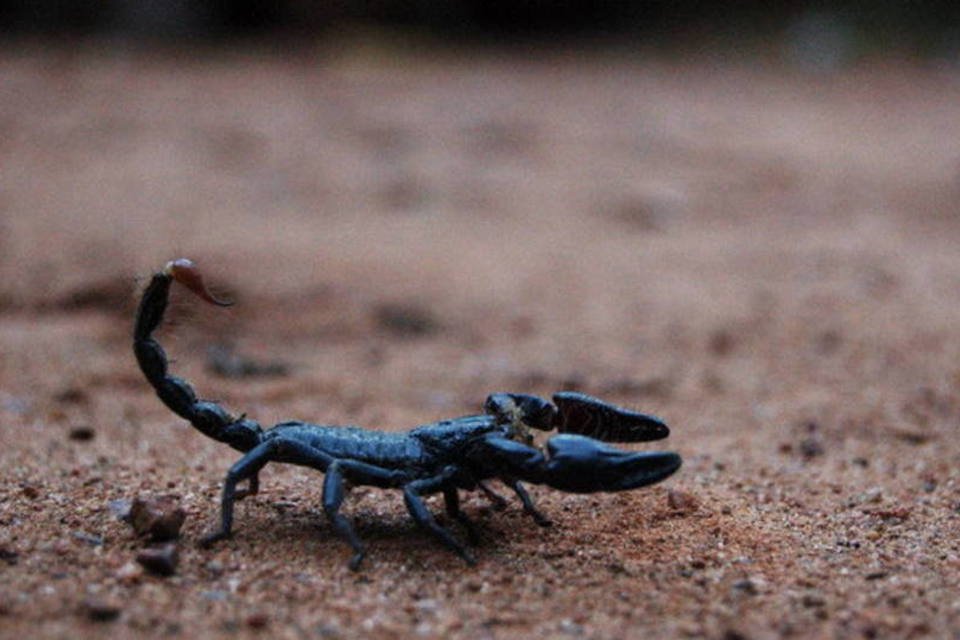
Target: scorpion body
442 457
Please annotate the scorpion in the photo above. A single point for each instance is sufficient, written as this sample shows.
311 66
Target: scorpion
441 457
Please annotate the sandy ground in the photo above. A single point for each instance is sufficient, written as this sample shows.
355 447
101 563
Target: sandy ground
766 259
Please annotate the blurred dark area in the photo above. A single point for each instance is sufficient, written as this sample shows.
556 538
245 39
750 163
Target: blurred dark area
923 27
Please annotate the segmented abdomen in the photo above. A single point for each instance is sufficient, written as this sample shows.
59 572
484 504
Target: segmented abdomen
379 448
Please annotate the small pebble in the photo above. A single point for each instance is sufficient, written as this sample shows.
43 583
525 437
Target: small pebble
813 600
89 538
746 586
811 448
129 573
571 627
120 509
82 433
9 556
159 518
101 610
71 395
682 501
406 320
257 620
161 560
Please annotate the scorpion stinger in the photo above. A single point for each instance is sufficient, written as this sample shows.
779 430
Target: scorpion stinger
441 457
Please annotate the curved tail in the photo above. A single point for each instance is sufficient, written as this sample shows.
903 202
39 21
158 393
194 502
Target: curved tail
206 416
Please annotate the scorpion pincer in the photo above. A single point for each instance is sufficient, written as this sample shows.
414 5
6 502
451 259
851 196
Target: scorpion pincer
441 457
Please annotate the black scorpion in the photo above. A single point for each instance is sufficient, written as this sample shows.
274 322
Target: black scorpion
444 456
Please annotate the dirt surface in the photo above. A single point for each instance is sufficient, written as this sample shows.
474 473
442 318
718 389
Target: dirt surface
766 259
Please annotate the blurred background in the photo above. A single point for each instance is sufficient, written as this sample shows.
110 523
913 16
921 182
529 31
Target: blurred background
928 26
585 177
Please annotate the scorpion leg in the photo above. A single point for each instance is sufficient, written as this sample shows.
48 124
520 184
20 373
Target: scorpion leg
247 467
253 488
452 501
528 505
499 502
412 494
334 491
333 495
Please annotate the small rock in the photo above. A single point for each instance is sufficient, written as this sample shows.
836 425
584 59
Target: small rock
426 605
71 395
161 560
896 513
215 567
813 600
682 501
811 448
406 320
9 556
101 610
160 518
82 433
747 586
129 573
257 620
89 538
722 342
870 496
328 630
912 437
120 508
571 627
30 492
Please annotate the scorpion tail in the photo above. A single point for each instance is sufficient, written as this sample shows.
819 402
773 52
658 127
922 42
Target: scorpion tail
207 417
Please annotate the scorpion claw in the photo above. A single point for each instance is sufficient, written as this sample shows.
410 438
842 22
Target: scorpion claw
589 416
583 465
186 273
